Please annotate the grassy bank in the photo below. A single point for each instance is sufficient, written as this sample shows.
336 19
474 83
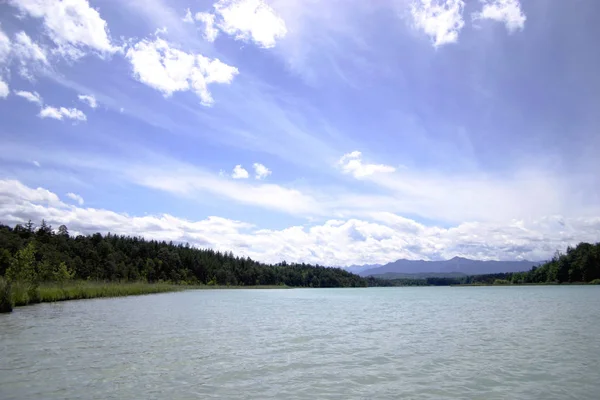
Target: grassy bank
22 294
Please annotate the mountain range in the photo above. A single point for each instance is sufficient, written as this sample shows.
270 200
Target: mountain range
457 265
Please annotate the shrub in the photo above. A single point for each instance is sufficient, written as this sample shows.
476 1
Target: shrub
6 302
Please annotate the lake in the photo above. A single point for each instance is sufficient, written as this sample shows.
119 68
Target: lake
539 342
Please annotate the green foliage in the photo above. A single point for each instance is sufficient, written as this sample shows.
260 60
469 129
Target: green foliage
62 273
595 282
501 282
6 303
42 255
22 267
76 290
24 293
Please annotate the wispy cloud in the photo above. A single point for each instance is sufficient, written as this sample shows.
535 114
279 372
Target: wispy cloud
352 163
75 197
61 113
33 97
90 100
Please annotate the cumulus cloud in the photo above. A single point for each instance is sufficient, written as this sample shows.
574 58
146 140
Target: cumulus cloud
75 197
352 163
61 113
33 97
158 65
441 20
239 172
382 238
508 12
90 100
250 20
260 171
208 22
72 25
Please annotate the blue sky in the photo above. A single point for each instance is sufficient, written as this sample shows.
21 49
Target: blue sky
338 132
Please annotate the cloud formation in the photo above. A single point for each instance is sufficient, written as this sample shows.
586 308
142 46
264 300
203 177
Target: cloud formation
352 163
4 89
33 97
90 100
75 197
260 171
441 20
383 238
207 20
168 70
250 20
239 172
73 25
508 12
62 113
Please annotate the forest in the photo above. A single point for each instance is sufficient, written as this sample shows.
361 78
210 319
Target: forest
42 254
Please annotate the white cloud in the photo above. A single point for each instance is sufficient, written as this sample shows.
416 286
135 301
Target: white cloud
188 17
76 198
33 97
507 11
62 112
250 20
239 172
352 163
184 180
169 70
89 99
260 171
381 239
37 164
4 47
161 31
27 50
72 24
208 21
441 20
4 90
29 53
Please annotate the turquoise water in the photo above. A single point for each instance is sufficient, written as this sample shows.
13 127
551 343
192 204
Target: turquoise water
379 343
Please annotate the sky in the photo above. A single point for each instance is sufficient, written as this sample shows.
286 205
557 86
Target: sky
337 132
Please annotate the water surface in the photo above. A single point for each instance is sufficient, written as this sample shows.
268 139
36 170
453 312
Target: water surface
377 343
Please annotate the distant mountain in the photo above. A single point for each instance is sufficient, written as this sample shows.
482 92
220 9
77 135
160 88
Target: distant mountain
357 269
456 265
420 275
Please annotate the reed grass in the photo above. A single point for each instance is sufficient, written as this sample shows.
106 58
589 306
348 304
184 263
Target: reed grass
22 294
90 290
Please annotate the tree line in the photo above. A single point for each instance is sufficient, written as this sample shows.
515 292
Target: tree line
580 264
29 253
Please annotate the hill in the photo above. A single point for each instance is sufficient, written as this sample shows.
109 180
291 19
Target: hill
455 265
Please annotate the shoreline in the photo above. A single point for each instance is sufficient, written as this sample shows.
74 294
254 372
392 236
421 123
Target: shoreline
21 295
